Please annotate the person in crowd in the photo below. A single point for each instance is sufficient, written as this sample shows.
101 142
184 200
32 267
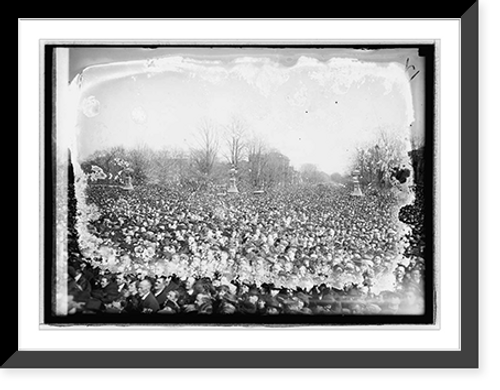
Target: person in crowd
83 284
160 290
415 281
74 306
201 305
121 282
187 293
90 273
389 303
171 305
78 287
248 301
107 291
131 299
226 300
147 301
411 303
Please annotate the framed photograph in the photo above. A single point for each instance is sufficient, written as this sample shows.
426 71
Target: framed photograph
263 202
270 204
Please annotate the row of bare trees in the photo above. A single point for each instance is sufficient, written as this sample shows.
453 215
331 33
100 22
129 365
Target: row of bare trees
216 154
221 152
234 146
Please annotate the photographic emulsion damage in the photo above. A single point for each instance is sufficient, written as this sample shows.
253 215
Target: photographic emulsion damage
252 184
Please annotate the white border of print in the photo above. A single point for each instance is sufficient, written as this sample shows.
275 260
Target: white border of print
444 337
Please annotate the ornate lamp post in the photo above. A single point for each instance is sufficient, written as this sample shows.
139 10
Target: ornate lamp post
232 181
357 187
128 185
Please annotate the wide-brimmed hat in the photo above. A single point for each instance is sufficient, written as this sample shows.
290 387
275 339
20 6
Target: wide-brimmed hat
372 308
227 308
206 308
71 271
247 307
272 302
327 299
254 291
231 298
303 297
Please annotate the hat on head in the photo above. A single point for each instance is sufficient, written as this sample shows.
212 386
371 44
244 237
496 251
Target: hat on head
272 302
303 297
228 307
190 308
232 288
292 304
231 298
71 271
253 291
372 308
327 299
205 308
248 307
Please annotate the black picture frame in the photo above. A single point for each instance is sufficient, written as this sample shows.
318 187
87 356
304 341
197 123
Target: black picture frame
427 51
466 357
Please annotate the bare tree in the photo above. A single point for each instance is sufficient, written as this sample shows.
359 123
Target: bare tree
256 150
204 156
140 159
235 141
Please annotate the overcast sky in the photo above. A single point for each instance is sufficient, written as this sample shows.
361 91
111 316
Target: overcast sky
314 106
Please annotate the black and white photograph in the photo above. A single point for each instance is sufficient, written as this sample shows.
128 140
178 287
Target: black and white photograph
240 183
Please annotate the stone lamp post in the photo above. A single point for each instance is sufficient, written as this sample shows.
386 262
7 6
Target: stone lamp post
232 182
357 186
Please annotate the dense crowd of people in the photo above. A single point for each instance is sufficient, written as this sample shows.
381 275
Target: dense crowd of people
312 250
